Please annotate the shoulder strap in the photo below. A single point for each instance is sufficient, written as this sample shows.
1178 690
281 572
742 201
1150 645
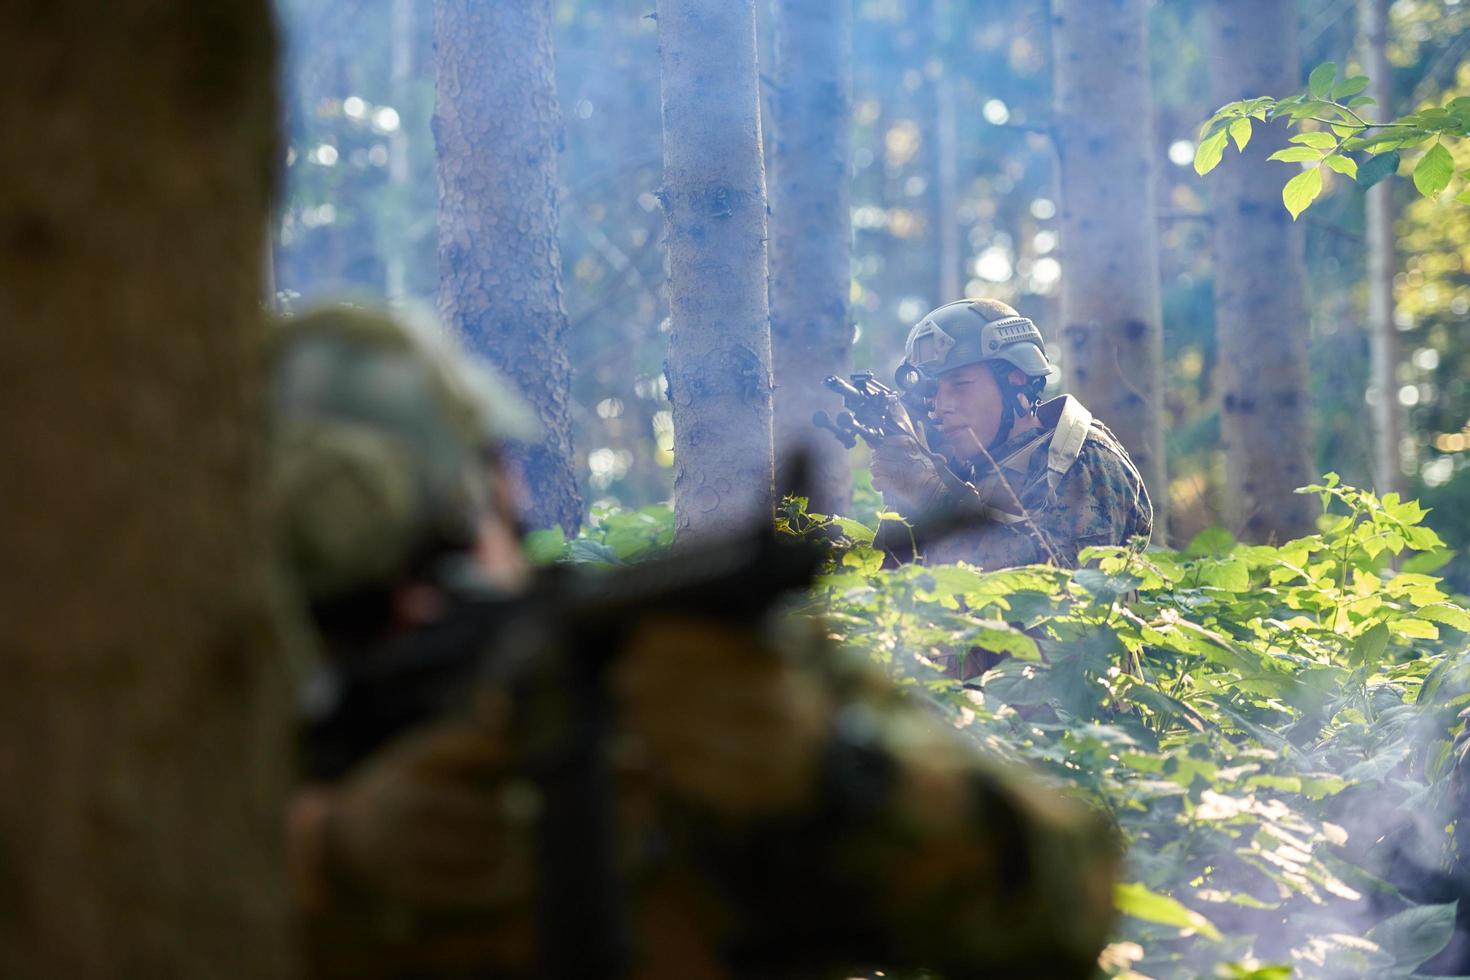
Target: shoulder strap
1066 443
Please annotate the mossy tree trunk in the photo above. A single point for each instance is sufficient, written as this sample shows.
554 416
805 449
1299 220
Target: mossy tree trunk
714 196
811 232
497 127
144 718
1260 315
1111 312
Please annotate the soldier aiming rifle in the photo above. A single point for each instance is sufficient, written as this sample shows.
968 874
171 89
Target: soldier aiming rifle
1045 479
640 777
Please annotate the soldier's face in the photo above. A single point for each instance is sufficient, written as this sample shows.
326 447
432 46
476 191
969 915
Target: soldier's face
967 406
498 544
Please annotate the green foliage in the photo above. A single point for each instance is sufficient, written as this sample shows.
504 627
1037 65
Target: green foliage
1269 726
1333 105
1262 722
615 537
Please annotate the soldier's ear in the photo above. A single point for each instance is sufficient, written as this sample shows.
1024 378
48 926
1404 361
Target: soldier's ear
1016 377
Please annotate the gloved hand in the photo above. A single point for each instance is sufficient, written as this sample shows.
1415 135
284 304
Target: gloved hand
906 475
434 823
726 723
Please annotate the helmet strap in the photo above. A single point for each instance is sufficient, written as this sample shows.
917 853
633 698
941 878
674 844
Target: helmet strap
1011 406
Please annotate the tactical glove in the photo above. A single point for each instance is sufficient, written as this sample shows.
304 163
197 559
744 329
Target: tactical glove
432 824
727 722
907 476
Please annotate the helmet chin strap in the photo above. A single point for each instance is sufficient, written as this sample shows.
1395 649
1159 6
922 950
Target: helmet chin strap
1010 402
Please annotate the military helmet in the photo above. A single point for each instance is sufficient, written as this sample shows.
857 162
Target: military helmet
969 331
381 431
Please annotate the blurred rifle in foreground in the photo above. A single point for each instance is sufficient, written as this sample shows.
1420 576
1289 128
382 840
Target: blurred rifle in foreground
551 649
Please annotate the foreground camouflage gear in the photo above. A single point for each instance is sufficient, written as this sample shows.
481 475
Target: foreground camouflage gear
788 815
1043 513
382 427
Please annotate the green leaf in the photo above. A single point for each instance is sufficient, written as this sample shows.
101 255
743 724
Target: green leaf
1105 588
546 546
1368 649
1349 87
1358 101
1235 971
1296 154
1210 151
1415 934
1451 615
1232 575
587 550
856 530
1414 629
1319 83
1343 165
1433 171
1137 901
1240 131
1463 197
1322 141
1210 541
1376 168
1301 191
999 637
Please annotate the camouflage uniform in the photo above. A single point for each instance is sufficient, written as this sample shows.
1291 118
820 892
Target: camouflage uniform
836 826
1060 484
1099 499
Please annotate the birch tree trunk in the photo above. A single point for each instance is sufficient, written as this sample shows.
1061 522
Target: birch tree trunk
144 715
1383 336
1260 315
811 232
497 129
714 198
1111 310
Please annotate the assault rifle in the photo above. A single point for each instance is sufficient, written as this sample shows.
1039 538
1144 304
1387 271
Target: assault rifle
551 649
873 410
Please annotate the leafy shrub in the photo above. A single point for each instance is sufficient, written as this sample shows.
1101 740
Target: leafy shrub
1269 726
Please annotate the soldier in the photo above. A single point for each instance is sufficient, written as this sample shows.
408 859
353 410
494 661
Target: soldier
779 812
1050 478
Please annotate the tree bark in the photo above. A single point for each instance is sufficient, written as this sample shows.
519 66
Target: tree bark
1383 338
1261 320
714 198
811 233
396 243
497 128
1111 310
946 157
144 715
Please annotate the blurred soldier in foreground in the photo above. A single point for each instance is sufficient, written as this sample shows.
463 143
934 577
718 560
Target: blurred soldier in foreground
777 813
1050 479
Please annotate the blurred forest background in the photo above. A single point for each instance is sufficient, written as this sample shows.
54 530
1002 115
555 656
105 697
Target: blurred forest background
954 190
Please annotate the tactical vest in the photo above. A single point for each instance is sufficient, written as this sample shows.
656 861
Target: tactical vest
1070 425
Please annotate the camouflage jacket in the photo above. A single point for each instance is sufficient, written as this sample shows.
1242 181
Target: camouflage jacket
1052 500
920 853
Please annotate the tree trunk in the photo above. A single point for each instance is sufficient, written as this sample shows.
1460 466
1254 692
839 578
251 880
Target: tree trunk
714 198
144 715
1110 305
396 243
1382 262
946 156
1261 320
497 128
811 232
